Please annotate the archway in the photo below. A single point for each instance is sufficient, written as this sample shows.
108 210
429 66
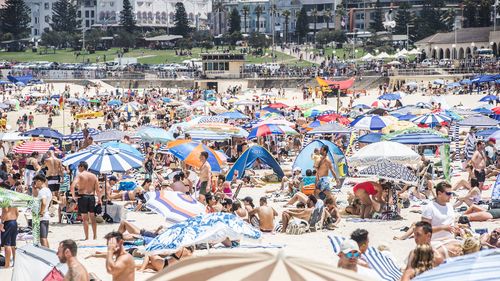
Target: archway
467 52
461 53
447 54
434 54
494 47
441 53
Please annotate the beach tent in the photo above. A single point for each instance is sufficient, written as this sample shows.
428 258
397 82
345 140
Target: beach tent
35 263
248 158
20 79
305 162
343 84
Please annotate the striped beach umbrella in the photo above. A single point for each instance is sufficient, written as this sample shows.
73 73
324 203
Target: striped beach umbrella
79 135
109 135
430 119
189 152
379 104
334 117
130 107
174 206
278 105
105 160
34 146
262 266
314 124
266 130
371 122
154 134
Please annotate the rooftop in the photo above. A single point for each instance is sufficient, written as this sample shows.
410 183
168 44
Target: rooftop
464 35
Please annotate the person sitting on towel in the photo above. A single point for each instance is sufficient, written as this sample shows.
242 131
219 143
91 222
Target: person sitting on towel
263 216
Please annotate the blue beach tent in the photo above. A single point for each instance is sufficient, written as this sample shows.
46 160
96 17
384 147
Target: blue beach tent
248 158
304 160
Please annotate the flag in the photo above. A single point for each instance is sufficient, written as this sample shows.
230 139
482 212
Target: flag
61 102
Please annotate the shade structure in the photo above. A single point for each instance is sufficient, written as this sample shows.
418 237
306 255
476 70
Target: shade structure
370 138
398 126
390 171
206 228
483 110
122 146
377 111
200 104
262 266
274 121
379 104
109 135
329 128
34 146
35 263
384 150
174 206
130 107
485 134
215 131
417 138
341 84
318 110
362 106
333 117
12 136
266 130
80 136
314 124
406 117
478 121
44 132
390 96
431 119
105 160
336 156
488 98
154 134
9 198
114 103
249 157
482 265
233 115
370 122
278 105
189 152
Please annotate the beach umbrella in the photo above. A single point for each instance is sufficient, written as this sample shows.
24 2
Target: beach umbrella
109 135
362 106
398 126
34 146
388 150
274 121
478 121
218 130
370 138
200 103
417 137
388 170
483 110
166 100
482 265
114 103
189 152
233 115
266 130
12 136
154 134
262 266
130 107
9 198
79 135
330 128
174 206
202 229
4 106
438 82
496 110
278 105
318 110
406 117
370 122
377 111
314 124
390 96
488 98
379 104
122 146
44 132
431 119
105 160
334 117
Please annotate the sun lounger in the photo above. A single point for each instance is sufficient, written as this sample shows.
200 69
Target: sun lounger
383 265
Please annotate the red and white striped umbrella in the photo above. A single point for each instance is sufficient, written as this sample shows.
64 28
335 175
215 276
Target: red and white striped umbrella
32 146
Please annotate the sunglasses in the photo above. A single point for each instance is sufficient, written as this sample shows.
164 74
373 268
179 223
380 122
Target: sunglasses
351 255
449 193
495 232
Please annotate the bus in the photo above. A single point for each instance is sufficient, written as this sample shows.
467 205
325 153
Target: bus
484 53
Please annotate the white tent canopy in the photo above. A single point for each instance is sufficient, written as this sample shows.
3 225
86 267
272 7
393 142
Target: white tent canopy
414 52
383 55
367 57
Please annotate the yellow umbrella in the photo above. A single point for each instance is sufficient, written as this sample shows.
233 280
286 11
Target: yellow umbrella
398 126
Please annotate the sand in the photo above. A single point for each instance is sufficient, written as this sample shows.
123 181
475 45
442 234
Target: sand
314 246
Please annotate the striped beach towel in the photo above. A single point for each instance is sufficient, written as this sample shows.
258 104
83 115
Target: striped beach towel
383 265
470 145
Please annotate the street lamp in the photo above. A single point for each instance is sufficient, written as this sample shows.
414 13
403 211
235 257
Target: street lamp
408 35
334 52
353 40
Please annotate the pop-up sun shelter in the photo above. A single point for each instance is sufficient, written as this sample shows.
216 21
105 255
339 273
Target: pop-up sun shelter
35 263
248 158
304 160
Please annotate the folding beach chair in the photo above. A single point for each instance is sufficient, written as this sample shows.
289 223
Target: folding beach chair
383 265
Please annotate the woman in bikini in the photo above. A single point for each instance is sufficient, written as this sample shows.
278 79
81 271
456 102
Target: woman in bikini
158 263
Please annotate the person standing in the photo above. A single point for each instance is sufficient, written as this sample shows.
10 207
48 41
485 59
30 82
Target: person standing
204 175
119 263
45 197
8 230
54 172
479 163
149 165
88 188
67 254
324 168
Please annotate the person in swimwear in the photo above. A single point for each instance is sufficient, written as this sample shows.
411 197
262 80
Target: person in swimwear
325 167
367 192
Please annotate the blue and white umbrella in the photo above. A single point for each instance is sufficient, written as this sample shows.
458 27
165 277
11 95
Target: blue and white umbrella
130 107
154 134
122 146
431 119
438 82
406 117
489 98
105 160
209 228
109 135
482 265
114 103
233 115
79 135
373 122
390 96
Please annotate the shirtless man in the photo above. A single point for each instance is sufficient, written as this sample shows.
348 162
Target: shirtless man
54 173
204 174
88 187
325 166
479 163
67 254
119 263
8 230
266 215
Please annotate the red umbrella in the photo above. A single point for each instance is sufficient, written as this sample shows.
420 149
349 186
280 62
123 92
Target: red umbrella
32 146
278 105
496 110
334 117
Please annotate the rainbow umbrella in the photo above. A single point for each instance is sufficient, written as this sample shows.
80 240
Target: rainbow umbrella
174 206
266 130
189 152
318 110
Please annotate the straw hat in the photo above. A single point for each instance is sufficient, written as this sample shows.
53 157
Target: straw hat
471 245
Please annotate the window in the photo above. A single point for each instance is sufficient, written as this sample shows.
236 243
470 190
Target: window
111 4
210 66
87 14
87 23
79 14
92 14
36 20
216 66
35 31
46 6
226 66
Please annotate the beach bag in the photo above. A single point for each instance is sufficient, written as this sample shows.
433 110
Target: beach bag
2 260
297 227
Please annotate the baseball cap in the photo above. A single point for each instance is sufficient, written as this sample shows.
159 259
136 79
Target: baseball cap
492 140
112 178
348 246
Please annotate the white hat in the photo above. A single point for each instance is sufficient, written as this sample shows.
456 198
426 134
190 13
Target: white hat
349 245
297 169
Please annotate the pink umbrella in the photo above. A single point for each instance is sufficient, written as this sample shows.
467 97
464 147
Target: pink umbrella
34 146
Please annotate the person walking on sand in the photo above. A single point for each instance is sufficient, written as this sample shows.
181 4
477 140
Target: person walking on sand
67 254
324 167
204 174
119 263
45 197
479 162
88 187
54 173
8 231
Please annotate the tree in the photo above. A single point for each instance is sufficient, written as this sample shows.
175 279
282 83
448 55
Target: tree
15 18
127 20
470 11
181 22
258 12
184 44
403 18
430 19
258 40
234 21
302 25
93 38
125 39
327 15
314 14
376 24
246 11
203 39
64 16
219 7
52 38
339 36
286 15
324 36
484 12
340 12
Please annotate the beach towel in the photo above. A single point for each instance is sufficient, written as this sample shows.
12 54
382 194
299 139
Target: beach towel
470 145
383 265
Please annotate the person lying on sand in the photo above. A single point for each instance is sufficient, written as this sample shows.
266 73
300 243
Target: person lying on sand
132 232
476 213
158 263
491 240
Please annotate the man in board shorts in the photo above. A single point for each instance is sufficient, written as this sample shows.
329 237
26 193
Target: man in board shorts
204 174
323 169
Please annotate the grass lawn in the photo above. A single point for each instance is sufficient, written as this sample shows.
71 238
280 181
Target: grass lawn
347 50
144 56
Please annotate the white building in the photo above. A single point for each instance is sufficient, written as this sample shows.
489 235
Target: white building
41 15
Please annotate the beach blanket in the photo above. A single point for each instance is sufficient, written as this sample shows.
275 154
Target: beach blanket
382 264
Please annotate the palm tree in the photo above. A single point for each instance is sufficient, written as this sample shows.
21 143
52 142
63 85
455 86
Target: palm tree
219 7
314 14
327 14
340 12
246 11
286 14
258 12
